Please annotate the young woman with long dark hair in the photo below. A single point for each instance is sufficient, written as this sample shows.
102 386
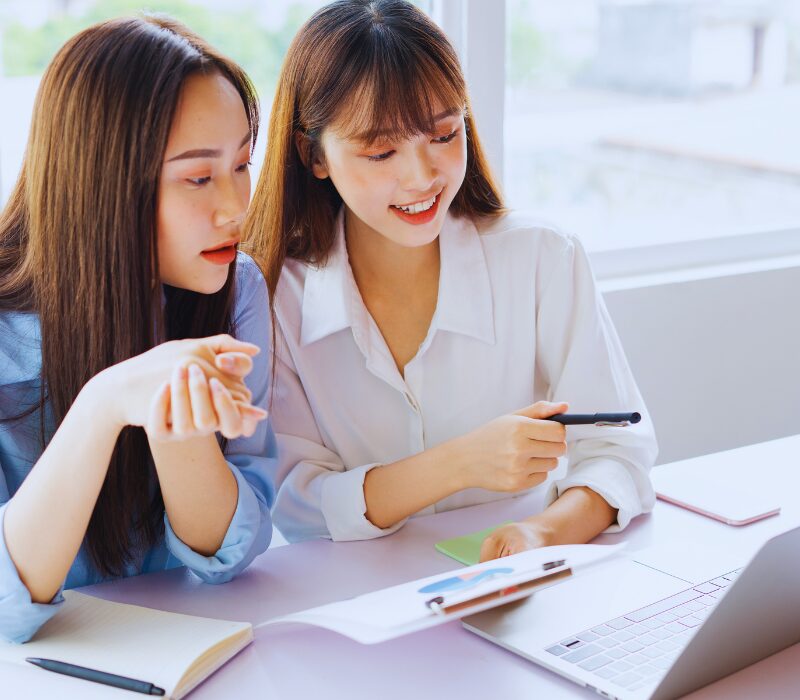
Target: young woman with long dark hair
423 332
128 326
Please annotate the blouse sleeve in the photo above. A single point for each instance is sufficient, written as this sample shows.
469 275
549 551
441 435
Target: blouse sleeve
317 496
250 459
582 362
20 617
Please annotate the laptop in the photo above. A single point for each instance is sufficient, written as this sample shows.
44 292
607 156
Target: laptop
631 632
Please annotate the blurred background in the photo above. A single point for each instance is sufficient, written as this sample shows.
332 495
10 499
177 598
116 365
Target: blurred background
629 122
664 133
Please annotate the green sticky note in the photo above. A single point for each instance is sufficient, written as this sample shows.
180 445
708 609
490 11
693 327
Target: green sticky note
467 548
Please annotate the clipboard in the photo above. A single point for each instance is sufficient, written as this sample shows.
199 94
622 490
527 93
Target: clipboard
417 605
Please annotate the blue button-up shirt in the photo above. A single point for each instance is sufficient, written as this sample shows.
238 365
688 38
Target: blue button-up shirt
250 460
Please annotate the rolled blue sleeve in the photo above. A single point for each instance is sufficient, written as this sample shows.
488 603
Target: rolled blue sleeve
20 617
251 459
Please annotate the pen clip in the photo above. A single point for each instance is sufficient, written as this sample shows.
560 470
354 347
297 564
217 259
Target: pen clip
613 423
441 607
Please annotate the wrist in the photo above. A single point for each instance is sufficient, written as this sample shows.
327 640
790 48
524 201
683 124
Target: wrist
542 529
455 465
101 395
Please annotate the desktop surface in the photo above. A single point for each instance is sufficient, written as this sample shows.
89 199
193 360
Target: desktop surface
447 661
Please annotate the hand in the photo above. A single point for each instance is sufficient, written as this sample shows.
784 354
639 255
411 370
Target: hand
130 387
513 452
513 539
190 405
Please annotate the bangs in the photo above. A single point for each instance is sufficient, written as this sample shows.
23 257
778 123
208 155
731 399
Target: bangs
397 91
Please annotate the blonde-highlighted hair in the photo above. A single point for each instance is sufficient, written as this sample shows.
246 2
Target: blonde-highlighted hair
372 68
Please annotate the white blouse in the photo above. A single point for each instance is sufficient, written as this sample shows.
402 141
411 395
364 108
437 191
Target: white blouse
518 319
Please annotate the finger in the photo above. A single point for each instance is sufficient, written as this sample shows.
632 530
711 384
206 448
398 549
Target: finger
227 343
536 479
182 423
542 464
203 414
542 409
234 384
157 418
230 420
539 447
251 417
234 363
490 549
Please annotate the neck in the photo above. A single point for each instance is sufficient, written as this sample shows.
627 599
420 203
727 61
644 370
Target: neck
378 261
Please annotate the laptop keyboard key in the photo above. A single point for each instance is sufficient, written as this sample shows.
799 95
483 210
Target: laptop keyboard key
632 646
588 636
706 587
603 630
596 662
623 636
557 650
607 642
627 679
583 653
616 653
653 652
621 666
620 623
691 621
606 672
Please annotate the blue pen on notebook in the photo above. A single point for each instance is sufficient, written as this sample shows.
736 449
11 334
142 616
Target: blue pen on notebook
90 674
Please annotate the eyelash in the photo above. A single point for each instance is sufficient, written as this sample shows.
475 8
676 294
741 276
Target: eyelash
441 140
200 181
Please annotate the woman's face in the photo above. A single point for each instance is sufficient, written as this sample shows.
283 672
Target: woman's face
205 185
401 190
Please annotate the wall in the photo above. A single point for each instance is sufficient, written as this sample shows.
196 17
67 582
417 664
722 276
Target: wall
717 359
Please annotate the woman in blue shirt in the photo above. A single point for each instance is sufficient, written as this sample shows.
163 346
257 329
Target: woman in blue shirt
128 323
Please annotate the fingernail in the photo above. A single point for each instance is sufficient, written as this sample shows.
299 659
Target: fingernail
227 362
215 384
195 371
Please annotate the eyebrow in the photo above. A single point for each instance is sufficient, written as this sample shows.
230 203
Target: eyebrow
384 133
205 152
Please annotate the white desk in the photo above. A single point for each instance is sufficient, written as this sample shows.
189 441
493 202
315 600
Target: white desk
447 661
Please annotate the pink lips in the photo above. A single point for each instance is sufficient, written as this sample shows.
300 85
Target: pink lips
223 254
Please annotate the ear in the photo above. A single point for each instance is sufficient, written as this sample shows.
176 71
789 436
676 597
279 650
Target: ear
309 156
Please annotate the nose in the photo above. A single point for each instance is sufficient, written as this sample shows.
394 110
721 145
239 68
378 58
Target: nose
231 204
420 172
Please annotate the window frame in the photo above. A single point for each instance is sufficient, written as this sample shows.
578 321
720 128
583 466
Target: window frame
477 29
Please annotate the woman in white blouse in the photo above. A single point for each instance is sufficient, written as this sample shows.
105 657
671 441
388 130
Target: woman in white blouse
422 331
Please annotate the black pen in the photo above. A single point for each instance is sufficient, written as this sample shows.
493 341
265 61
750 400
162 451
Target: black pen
619 420
90 674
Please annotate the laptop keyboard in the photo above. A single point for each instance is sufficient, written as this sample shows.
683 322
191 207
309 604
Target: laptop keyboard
634 651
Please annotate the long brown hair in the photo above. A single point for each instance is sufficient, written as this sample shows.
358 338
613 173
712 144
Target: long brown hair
78 241
370 67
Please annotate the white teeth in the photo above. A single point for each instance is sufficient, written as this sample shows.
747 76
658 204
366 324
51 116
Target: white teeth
418 207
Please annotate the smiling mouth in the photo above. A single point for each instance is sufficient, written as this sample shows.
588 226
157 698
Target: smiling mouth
417 207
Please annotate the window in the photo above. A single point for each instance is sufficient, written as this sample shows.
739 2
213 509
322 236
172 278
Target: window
252 32
654 122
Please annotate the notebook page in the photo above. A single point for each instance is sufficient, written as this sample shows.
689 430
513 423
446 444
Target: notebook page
145 644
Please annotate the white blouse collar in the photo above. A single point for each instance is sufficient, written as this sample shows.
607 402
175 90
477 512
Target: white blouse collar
332 302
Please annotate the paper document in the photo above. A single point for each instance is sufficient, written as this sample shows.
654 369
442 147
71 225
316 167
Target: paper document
409 607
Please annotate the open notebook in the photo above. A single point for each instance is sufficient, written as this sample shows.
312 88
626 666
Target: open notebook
175 652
